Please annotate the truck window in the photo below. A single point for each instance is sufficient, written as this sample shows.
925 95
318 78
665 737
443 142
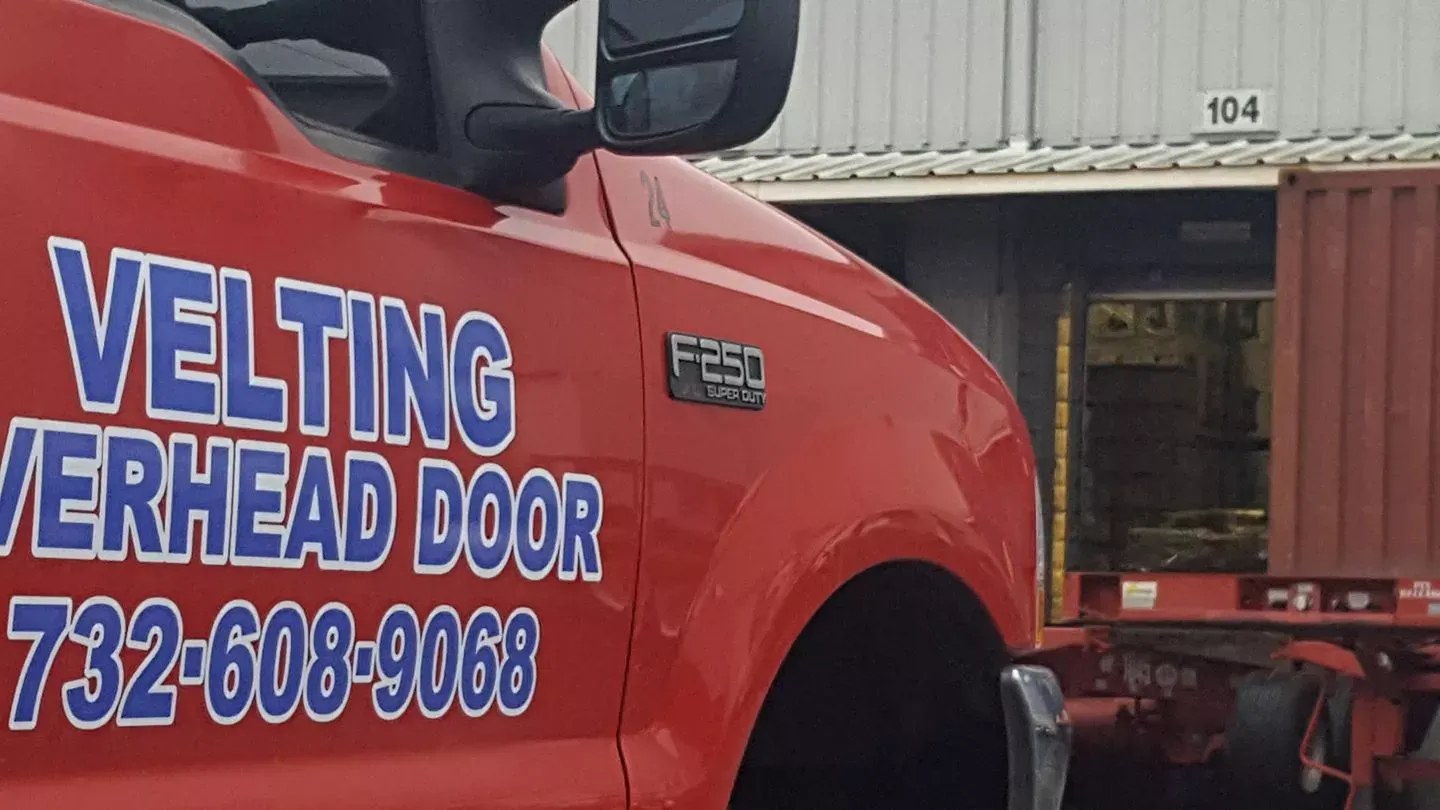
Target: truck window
358 66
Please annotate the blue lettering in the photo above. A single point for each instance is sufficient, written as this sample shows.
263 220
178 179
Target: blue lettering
178 294
327 676
439 662
15 474
415 374
485 412
199 496
369 511
278 687
487 550
148 700
68 481
580 543
364 378
535 551
100 342
261 470
230 663
130 499
251 401
316 315
314 515
440 523
397 650
516 687
91 701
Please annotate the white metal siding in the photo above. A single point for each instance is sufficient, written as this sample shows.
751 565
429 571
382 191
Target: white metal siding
571 35
884 76
1133 70
871 75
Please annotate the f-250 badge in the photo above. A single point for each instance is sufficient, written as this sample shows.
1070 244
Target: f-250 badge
715 372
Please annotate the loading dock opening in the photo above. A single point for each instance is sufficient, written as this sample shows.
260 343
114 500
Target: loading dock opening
1313 681
1173 449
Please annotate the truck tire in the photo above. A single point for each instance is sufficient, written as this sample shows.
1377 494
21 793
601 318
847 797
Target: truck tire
1263 740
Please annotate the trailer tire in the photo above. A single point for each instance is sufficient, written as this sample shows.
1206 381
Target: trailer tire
1263 742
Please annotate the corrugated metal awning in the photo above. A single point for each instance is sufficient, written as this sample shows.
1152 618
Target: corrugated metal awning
1029 169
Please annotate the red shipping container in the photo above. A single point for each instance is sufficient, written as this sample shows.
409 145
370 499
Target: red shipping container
1356 421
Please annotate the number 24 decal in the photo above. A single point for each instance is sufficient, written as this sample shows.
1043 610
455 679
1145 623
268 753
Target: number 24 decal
659 213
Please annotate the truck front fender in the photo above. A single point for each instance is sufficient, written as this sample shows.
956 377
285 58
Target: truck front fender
847 501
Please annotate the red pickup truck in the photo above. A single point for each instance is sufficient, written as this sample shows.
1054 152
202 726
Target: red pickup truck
387 425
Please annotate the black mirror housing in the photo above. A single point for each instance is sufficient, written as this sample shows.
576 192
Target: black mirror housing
684 77
674 77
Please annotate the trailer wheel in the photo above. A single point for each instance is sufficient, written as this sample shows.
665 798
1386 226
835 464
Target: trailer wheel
1263 746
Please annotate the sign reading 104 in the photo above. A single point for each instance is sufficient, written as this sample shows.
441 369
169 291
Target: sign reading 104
1232 111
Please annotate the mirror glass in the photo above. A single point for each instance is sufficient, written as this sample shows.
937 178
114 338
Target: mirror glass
631 24
661 100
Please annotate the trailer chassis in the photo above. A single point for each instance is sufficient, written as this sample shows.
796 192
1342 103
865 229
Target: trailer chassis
1156 661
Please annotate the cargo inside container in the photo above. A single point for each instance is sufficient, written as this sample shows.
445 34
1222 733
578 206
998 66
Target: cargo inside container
1174 433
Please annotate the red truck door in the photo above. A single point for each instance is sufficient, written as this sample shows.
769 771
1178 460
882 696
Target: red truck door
321 477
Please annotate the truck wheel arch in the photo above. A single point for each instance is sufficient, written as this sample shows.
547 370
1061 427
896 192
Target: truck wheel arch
703 772
896 672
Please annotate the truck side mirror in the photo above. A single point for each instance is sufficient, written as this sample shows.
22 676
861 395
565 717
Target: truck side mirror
673 77
691 76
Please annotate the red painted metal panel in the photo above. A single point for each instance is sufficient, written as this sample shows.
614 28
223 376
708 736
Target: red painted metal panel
1356 415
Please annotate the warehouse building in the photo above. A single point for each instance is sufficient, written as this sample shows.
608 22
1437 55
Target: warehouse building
1086 188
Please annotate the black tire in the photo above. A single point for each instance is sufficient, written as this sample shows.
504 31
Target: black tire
1263 746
